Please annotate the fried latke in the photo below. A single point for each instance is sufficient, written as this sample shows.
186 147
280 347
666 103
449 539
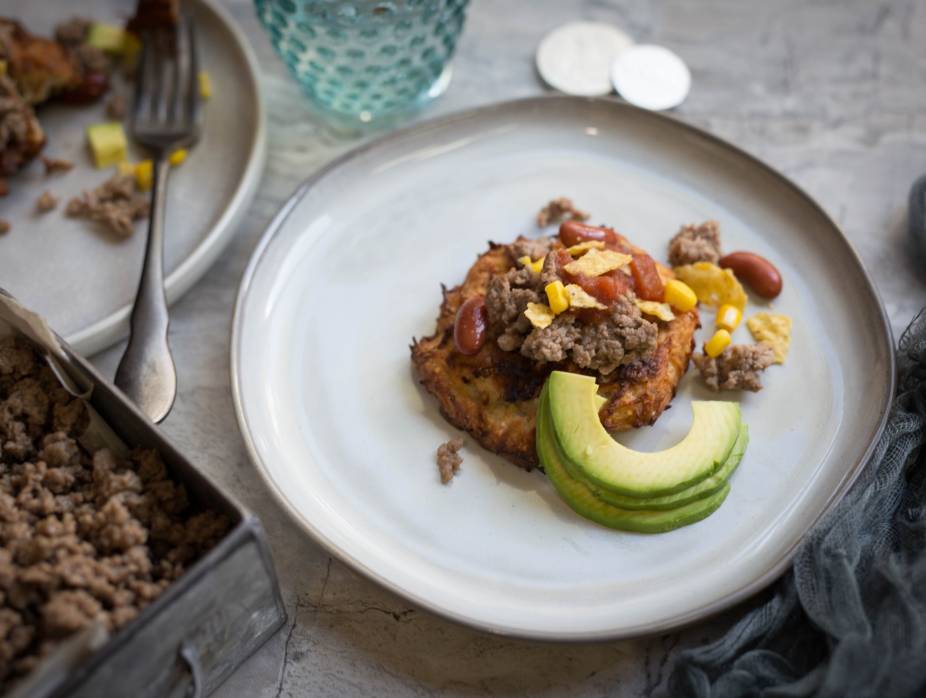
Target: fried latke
493 394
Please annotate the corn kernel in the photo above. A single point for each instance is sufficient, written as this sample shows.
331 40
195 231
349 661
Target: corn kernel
728 317
715 345
537 265
126 168
144 174
557 296
205 84
679 295
177 157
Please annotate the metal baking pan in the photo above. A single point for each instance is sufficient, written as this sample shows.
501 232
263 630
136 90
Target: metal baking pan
205 624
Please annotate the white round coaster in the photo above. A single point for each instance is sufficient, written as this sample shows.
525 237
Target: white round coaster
652 77
576 58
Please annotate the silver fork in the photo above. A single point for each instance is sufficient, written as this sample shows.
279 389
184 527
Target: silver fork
164 117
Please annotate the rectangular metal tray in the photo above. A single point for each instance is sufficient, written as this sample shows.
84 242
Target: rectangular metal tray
196 633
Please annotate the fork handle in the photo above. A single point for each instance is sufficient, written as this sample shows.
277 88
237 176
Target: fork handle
146 373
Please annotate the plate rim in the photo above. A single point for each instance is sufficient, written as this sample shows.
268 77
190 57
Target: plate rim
110 329
680 620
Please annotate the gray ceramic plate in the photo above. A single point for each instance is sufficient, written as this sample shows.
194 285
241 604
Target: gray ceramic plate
83 280
351 270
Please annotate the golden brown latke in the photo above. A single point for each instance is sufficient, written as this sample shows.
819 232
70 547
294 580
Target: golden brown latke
493 394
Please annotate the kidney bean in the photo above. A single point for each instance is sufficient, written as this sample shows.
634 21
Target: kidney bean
756 272
646 279
469 328
574 232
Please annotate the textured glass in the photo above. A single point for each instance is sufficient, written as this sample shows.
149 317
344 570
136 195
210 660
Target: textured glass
364 61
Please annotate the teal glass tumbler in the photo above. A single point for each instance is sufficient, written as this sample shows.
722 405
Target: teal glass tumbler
366 62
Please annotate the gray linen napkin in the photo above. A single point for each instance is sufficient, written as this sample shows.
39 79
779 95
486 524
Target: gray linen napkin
849 618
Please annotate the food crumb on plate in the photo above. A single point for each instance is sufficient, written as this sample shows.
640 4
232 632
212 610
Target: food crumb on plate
46 202
695 243
4 226
448 459
559 209
115 107
116 204
56 165
737 368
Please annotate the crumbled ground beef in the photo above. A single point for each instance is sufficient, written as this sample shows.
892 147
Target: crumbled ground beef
559 209
115 107
737 368
116 204
91 59
56 165
4 226
449 459
84 536
695 243
525 247
21 135
46 202
625 336
621 338
73 31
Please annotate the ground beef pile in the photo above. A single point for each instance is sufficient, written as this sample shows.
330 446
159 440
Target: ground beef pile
695 243
737 368
449 459
83 536
116 205
620 337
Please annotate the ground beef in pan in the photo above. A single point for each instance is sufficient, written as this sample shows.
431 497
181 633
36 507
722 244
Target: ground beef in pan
84 536
695 243
449 459
506 300
737 368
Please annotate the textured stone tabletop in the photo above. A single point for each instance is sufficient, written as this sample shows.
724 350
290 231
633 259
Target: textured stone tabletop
831 92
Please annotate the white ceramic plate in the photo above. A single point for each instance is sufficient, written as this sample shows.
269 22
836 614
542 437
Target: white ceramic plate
83 280
351 269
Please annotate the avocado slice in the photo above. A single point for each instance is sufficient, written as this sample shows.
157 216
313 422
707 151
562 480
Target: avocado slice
699 490
583 501
599 460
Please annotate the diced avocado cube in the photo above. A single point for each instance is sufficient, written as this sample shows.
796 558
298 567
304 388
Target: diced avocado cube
106 37
107 143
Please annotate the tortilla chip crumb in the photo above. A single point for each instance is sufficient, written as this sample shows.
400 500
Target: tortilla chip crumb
448 459
559 209
54 165
598 262
46 202
540 315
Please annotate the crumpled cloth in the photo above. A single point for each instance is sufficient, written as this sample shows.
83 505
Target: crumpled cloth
849 617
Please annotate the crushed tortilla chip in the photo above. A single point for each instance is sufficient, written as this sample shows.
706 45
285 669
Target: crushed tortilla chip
578 298
660 310
712 285
773 329
583 247
598 262
539 314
